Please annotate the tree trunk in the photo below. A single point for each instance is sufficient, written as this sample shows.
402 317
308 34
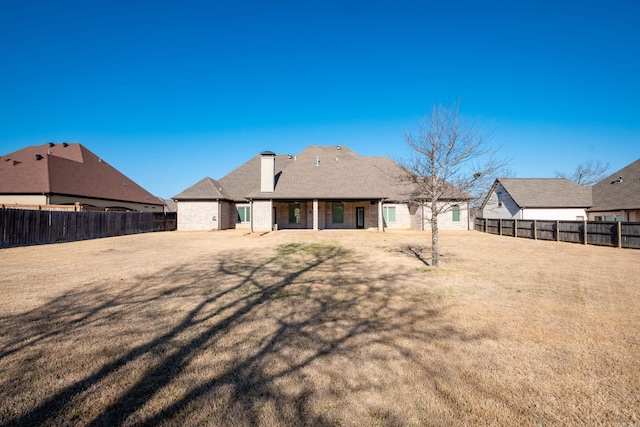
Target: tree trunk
435 250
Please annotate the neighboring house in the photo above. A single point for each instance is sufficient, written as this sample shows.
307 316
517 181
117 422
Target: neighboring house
66 174
617 197
170 205
323 187
537 198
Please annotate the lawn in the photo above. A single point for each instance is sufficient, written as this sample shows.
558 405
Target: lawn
319 328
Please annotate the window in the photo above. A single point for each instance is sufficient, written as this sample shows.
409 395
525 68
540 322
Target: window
389 213
337 212
455 211
244 214
598 218
499 198
294 213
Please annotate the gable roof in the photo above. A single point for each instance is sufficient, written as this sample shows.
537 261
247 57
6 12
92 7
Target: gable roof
318 172
545 192
67 169
323 172
205 189
245 179
613 194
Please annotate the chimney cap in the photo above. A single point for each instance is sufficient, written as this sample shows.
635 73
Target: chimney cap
267 153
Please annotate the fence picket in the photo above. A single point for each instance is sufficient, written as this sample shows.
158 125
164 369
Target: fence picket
615 234
23 227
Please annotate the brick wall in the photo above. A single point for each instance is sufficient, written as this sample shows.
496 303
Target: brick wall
200 215
261 215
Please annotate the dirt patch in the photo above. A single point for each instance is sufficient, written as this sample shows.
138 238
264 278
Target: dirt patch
319 328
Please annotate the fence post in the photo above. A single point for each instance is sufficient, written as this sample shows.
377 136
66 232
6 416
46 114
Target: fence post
557 230
619 226
485 224
500 227
515 228
535 229
585 234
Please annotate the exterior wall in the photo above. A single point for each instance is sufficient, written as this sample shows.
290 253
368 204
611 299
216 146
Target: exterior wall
233 216
41 199
198 215
68 200
225 211
566 214
403 216
349 217
282 216
508 210
632 216
322 215
261 215
35 199
445 218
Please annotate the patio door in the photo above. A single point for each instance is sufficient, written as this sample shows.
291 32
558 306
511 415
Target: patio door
359 217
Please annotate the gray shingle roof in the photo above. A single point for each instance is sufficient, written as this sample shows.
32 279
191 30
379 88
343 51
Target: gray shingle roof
547 192
205 189
322 172
245 179
619 195
318 172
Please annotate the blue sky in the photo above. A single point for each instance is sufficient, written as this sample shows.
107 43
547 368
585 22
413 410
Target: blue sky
171 92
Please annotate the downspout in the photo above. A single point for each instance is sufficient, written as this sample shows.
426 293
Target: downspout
469 218
251 215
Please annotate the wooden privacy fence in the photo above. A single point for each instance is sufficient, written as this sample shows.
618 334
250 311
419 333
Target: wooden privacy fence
616 234
24 227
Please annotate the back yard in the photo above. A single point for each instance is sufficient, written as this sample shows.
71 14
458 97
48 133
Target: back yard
319 328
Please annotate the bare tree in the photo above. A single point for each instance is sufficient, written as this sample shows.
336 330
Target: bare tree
449 158
588 173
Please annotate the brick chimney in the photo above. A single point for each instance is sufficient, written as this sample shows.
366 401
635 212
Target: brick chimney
267 171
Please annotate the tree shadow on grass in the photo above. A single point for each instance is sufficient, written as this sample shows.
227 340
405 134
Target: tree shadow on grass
248 338
415 251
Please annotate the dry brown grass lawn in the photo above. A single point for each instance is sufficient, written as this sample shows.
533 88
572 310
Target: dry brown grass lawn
319 328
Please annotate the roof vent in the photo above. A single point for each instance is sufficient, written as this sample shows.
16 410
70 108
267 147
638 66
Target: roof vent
64 144
317 160
38 157
338 148
51 144
289 157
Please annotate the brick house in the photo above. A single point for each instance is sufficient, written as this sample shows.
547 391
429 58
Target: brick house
323 187
617 197
67 174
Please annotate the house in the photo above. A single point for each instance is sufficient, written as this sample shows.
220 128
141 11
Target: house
323 187
617 197
67 174
537 198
